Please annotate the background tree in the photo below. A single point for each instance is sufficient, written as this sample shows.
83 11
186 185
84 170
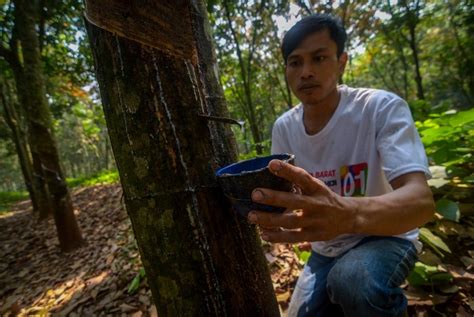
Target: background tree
24 58
70 86
245 43
405 18
18 135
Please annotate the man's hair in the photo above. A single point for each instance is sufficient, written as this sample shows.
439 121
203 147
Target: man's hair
309 25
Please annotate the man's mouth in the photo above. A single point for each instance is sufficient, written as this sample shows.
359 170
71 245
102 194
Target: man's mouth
306 87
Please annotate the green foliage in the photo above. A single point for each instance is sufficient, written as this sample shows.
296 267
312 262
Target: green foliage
249 154
251 66
427 275
71 90
448 209
135 284
103 177
8 198
433 241
303 256
449 140
441 39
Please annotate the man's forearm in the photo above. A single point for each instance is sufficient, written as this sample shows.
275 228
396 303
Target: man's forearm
394 213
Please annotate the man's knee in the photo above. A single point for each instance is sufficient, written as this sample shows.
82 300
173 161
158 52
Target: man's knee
346 282
356 287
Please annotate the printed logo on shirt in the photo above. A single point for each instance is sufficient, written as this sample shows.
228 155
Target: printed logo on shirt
327 176
354 179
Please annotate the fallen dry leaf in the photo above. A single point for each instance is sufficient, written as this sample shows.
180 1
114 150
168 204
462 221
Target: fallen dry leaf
283 298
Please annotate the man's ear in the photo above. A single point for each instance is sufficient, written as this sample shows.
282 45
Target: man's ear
342 62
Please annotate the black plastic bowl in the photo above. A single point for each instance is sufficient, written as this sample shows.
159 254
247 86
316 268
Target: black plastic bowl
238 180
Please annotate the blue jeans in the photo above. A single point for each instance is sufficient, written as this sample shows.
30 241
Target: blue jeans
364 281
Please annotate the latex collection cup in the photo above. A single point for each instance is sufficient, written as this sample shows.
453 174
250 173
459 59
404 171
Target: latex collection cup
238 181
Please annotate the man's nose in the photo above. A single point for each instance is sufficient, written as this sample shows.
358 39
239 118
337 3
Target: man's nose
307 71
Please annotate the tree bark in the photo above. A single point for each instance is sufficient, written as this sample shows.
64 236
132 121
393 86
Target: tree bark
32 93
157 72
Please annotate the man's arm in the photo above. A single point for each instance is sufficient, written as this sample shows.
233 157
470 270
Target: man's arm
320 214
410 205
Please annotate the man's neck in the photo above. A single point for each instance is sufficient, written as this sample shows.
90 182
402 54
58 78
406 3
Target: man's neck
316 116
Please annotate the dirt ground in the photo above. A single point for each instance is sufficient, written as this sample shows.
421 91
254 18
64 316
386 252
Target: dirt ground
37 279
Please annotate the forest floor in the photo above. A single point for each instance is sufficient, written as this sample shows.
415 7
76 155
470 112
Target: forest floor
37 279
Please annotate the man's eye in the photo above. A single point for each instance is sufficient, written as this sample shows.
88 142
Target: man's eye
319 58
293 63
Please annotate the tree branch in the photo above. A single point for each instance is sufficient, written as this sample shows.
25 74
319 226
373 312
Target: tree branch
303 6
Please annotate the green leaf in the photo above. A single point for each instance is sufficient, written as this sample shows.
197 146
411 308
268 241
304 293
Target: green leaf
460 160
135 284
423 274
462 117
468 179
419 275
417 279
449 209
441 278
302 255
433 241
435 134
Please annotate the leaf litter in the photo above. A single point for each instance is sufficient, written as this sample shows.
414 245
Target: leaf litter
101 277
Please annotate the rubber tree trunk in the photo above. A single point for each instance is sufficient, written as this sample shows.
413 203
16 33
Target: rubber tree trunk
19 140
32 93
158 80
38 182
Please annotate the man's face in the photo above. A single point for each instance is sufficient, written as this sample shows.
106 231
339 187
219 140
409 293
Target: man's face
313 68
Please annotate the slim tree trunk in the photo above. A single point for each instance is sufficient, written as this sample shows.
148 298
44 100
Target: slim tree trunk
414 48
157 72
19 140
30 164
106 154
288 91
31 89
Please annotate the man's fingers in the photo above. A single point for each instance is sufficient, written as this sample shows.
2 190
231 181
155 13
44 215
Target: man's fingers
296 175
292 220
285 236
276 198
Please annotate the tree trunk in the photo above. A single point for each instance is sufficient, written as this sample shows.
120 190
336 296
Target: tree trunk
20 142
106 154
157 72
289 102
32 93
32 173
414 48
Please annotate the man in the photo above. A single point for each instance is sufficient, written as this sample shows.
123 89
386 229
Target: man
361 170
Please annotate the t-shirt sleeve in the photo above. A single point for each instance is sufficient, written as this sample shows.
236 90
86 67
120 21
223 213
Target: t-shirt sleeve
279 144
398 142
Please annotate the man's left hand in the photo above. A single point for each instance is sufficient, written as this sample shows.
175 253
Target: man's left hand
317 214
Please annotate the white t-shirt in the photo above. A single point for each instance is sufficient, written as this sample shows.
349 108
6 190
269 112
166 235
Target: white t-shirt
369 141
